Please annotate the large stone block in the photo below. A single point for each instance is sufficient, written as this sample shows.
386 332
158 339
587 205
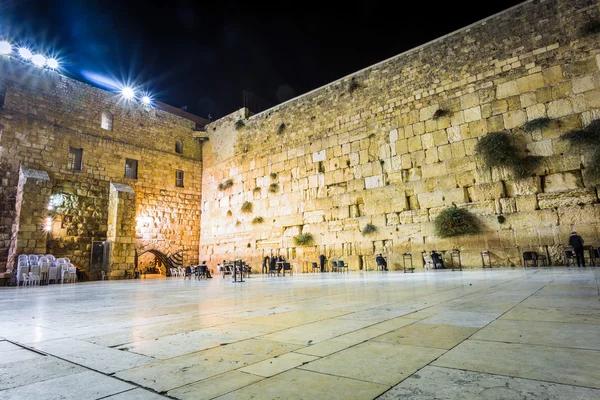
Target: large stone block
560 108
507 89
513 119
527 203
530 83
563 181
579 215
568 198
487 191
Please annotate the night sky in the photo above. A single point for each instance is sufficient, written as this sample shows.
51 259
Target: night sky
204 54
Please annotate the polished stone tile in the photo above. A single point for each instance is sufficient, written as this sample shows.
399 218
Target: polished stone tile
342 342
39 369
583 336
317 331
179 371
277 365
297 384
215 386
379 362
136 394
432 383
10 356
462 318
83 385
420 334
92 356
293 318
554 314
545 363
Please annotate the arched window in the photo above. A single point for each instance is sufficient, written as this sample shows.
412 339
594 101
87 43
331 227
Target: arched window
107 121
2 94
178 147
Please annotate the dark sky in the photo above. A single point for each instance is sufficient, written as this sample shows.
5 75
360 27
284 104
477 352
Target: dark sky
204 54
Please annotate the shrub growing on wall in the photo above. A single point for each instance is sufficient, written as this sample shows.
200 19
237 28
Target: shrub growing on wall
368 229
456 221
258 220
274 187
247 207
536 124
281 128
239 124
588 139
225 185
496 150
440 113
304 239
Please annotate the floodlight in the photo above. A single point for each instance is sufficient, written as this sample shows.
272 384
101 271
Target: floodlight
38 60
5 47
128 93
52 63
25 53
146 100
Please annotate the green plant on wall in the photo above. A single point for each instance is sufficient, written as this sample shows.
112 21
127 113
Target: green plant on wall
229 213
273 175
304 239
441 113
588 140
281 128
247 207
258 220
455 221
590 28
256 190
274 187
496 150
225 185
368 229
239 124
535 124
353 86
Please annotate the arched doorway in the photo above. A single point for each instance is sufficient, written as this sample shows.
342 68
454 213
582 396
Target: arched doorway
157 263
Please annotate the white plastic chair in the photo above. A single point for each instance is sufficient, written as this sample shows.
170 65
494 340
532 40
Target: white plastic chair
33 257
428 261
181 271
34 274
64 273
44 269
43 259
22 269
67 260
52 274
103 273
60 261
26 280
72 273
50 257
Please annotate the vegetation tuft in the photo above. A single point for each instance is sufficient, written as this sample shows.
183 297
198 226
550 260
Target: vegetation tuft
256 190
225 185
304 239
281 128
456 221
592 172
258 220
274 187
496 150
535 124
353 85
368 229
273 175
239 124
247 207
591 28
590 135
229 213
526 166
441 113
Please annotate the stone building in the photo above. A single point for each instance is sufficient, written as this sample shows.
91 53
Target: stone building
388 148
394 145
80 165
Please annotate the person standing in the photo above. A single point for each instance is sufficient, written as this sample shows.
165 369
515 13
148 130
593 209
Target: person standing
322 261
381 262
265 265
576 242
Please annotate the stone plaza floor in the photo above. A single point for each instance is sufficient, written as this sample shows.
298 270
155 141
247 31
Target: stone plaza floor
476 334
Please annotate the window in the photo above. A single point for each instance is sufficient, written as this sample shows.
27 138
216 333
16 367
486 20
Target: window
75 159
107 121
179 178
2 94
178 147
131 167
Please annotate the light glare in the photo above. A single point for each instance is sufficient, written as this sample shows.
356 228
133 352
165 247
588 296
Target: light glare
5 47
146 100
25 53
38 60
52 63
127 93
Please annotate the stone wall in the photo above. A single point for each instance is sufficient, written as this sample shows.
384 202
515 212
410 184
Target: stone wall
45 114
370 149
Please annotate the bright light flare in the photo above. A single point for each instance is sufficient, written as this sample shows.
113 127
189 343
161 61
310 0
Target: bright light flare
52 63
5 47
146 100
48 224
38 60
127 93
25 53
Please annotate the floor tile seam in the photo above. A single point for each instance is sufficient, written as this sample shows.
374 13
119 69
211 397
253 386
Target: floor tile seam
515 377
345 377
211 377
552 322
537 345
109 375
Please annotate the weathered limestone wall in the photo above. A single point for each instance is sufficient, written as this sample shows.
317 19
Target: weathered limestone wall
45 113
367 149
